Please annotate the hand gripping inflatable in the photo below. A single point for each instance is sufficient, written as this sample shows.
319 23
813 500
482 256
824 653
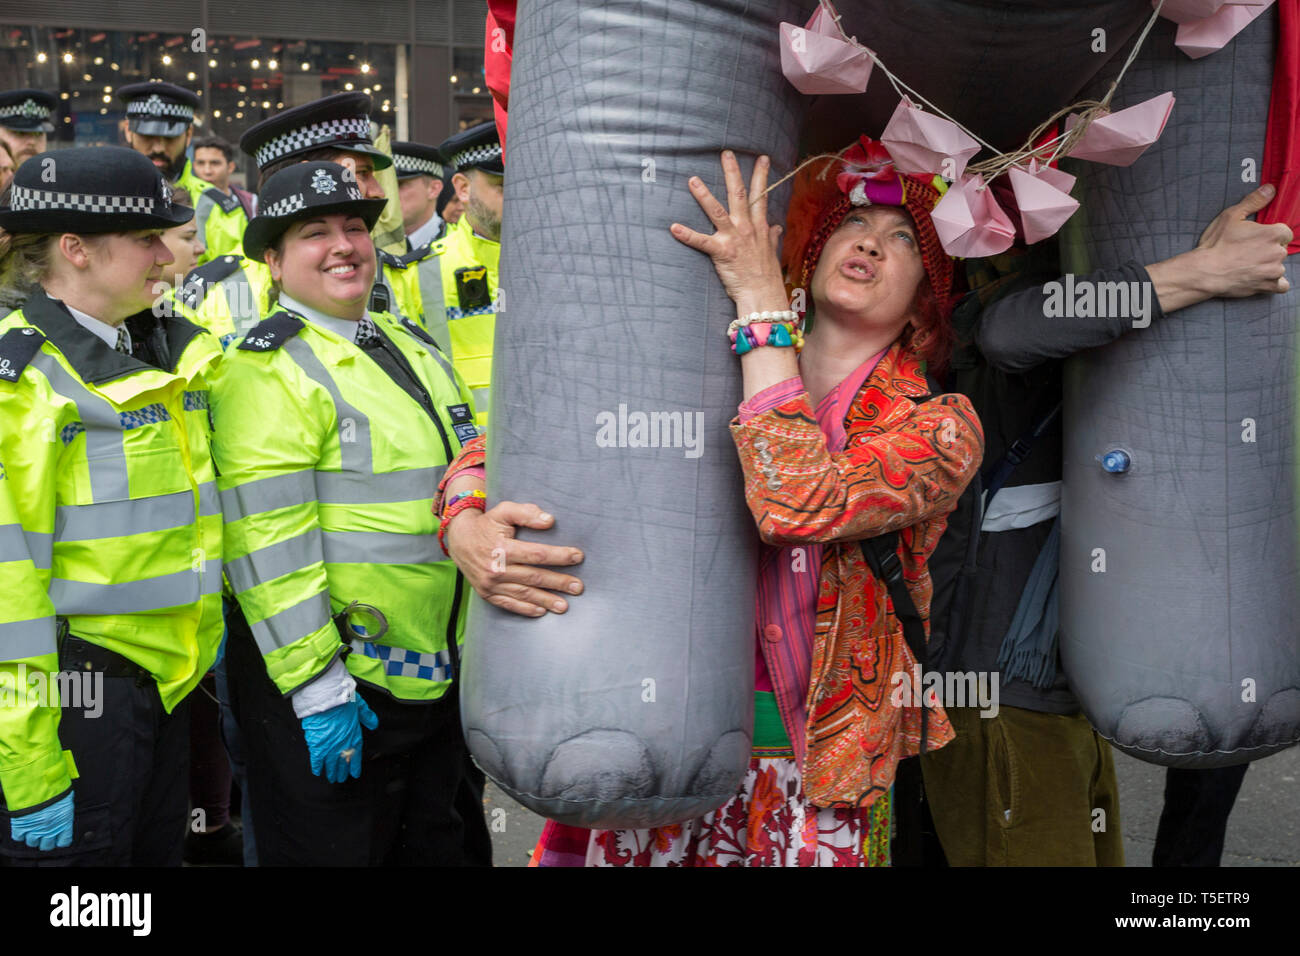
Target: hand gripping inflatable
1184 649
612 390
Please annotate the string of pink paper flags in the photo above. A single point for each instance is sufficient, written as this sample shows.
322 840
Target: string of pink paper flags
821 58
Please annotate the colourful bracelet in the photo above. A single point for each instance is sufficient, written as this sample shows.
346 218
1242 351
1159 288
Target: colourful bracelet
476 493
462 502
779 334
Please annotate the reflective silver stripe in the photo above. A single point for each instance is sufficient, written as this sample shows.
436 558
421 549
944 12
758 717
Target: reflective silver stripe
429 271
147 594
292 624
116 519
268 494
32 638
19 544
245 311
481 396
348 488
201 214
105 454
275 560
356 453
381 547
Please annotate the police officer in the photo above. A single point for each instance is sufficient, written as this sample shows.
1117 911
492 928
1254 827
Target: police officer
160 124
110 527
222 214
25 118
232 293
333 425
420 186
469 257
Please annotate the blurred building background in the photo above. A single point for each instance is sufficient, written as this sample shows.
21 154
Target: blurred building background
421 61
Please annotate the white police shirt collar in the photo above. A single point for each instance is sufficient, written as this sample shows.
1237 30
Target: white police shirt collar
104 331
425 234
347 328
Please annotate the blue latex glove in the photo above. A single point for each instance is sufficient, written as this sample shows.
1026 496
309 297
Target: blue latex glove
46 828
334 739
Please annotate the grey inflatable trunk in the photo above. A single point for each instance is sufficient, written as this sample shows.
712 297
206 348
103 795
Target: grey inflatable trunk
635 707
1184 649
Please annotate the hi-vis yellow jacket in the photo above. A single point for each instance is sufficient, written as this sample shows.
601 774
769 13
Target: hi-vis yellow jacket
110 523
465 262
328 473
220 216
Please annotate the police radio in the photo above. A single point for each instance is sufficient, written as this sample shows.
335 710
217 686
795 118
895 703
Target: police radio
472 287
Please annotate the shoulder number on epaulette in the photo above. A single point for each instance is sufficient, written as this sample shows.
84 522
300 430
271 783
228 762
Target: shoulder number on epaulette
17 347
271 333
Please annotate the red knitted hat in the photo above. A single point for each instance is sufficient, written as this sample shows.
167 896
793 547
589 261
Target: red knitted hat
824 192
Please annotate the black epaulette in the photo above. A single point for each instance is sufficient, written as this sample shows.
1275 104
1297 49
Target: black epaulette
390 260
418 332
271 333
228 204
200 280
17 346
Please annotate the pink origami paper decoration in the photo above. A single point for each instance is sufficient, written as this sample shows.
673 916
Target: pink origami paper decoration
1044 207
1120 138
969 221
1052 176
1202 37
1185 11
817 59
921 142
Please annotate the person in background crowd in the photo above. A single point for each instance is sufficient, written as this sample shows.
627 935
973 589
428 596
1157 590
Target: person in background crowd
419 181
1024 787
220 211
450 208
114 570
331 423
160 124
25 119
6 168
469 258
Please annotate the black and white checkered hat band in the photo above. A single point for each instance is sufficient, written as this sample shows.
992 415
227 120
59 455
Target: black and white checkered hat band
25 199
351 129
414 164
155 106
477 154
283 207
29 108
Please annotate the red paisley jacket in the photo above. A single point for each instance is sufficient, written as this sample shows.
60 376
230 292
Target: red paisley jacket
907 460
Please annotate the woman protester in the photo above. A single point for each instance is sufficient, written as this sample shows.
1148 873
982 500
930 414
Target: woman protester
110 527
333 428
841 442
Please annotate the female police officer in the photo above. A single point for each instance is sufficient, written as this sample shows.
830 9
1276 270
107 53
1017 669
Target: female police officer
110 531
333 428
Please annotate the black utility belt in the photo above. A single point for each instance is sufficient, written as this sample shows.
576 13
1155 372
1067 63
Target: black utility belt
76 654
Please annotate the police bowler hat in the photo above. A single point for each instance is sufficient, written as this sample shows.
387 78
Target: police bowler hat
92 190
305 191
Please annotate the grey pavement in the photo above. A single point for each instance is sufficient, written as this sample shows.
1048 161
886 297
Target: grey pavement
1264 829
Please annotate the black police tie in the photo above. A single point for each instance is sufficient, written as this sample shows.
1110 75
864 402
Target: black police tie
367 334
121 341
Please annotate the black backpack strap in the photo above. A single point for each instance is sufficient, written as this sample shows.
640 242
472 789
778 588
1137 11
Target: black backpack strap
996 476
881 554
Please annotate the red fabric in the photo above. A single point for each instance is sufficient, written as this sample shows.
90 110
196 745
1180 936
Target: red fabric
1282 145
497 60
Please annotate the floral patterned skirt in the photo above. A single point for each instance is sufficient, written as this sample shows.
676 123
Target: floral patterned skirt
767 823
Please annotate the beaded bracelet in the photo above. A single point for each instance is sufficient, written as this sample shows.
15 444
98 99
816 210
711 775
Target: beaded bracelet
744 320
461 502
779 334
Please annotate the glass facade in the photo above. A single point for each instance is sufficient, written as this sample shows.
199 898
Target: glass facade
240 79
